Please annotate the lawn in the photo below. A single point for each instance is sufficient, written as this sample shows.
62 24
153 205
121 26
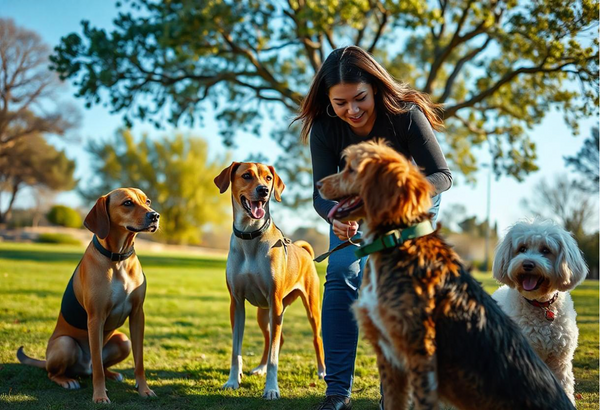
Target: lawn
188 339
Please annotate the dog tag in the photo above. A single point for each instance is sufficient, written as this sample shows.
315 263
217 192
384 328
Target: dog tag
549 315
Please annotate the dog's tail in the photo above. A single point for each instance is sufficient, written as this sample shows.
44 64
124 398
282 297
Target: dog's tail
23 358
306 245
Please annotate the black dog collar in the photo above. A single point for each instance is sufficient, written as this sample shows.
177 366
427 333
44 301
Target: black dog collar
254 234
115 257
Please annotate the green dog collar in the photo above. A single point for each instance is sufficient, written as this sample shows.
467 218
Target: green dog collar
395 238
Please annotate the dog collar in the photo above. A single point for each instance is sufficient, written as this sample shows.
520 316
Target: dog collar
395 238
115 257
254 234
545 306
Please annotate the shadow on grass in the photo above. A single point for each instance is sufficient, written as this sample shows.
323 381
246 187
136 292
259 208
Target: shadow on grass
59 256
24 387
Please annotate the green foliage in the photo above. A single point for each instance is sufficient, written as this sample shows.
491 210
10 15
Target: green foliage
64 216
175 173
58 238
587 163
33 162
499 67
187 342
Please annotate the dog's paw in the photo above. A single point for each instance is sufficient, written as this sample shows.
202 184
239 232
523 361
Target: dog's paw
67 383
113 375
260 370
101 398
147 392
271 394
231 385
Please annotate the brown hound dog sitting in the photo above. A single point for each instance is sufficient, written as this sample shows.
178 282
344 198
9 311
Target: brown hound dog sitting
107 286
265 269
435 331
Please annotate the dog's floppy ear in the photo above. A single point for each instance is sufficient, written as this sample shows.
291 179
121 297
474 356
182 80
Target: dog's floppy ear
278 185
224 178
98 220
570 264
394 191
502 261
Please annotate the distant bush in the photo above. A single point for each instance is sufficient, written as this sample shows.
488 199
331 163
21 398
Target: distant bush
64 216
58 238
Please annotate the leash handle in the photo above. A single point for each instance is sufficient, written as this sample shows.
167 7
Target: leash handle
355 241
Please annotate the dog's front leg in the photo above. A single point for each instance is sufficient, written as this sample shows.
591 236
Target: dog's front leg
137 321
96 341
237 315
276 320
423 379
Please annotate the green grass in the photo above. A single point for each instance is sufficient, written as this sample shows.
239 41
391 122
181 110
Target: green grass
188 339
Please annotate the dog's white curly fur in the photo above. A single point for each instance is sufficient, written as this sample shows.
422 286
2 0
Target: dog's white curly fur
551 254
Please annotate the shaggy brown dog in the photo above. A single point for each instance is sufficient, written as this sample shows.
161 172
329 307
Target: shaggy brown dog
435 331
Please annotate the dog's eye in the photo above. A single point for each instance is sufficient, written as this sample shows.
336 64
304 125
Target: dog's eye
148 202
269 178
522 249
247 175
546 251
128 203
350 170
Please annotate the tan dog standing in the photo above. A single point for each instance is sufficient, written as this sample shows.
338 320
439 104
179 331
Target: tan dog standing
266 269
107 287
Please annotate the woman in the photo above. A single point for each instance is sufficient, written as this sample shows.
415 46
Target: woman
352 99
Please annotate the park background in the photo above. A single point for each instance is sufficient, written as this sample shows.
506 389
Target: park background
163 95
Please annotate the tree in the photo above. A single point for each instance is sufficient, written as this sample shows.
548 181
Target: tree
499 67
27 89
574 209
176 175
587 163
33 162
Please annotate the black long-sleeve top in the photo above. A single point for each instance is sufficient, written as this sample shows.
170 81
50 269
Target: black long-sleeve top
409 133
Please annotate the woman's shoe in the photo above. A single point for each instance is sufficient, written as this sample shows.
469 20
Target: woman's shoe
335 402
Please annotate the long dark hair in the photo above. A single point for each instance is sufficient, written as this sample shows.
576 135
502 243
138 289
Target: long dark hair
353 65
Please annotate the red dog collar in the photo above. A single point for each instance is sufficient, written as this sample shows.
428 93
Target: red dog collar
545 306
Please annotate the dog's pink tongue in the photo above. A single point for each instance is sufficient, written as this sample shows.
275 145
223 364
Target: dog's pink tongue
337 206
530 282
257 210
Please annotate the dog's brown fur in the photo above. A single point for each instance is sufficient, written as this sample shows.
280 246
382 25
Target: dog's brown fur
267 271
434 329
109 291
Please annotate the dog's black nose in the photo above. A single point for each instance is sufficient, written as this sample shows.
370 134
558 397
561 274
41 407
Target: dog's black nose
528 265
319 184
262 190
153 216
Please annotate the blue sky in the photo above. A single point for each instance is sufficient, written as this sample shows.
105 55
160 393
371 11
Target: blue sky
53 19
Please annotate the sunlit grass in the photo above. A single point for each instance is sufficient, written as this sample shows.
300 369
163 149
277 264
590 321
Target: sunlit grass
188 339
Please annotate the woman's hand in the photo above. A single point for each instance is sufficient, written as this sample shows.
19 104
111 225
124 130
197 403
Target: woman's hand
344 230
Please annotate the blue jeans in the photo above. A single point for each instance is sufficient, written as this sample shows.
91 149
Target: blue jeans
339 327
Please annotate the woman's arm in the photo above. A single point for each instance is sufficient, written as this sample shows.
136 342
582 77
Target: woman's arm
324 163
426 151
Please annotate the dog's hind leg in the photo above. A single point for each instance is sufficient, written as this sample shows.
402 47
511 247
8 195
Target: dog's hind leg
262 317
271 391
62 356
311 302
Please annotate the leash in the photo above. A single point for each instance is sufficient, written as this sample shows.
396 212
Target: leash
254 234
545 306
355 240
115 257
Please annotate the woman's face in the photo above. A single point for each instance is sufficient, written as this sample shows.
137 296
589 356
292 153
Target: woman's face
354 103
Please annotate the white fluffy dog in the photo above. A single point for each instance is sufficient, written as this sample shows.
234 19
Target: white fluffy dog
539 262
